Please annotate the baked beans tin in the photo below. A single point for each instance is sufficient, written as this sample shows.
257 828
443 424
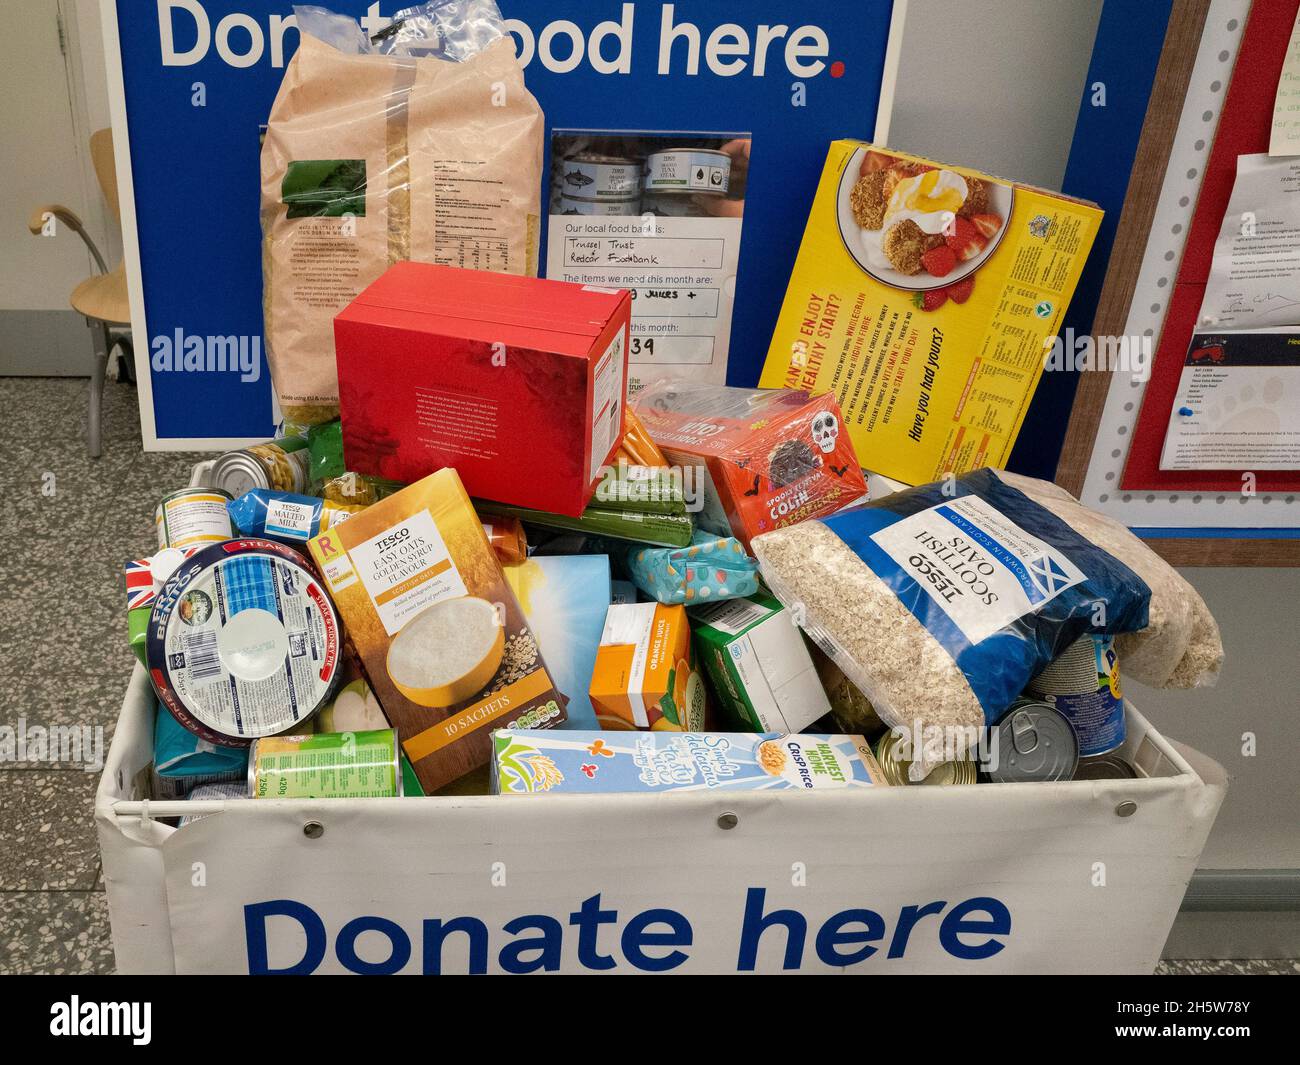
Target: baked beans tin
690 170
1032 742
192 517
1083 684
278 464
327 765
243 642
600 177
895 767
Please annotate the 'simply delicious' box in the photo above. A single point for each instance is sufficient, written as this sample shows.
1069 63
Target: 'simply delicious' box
927 298
516 382
525 763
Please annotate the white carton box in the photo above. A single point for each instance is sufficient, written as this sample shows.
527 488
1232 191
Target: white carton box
986 878
758 665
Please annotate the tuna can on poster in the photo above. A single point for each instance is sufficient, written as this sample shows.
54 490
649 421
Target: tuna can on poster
688 170
243 642
588 176
599 208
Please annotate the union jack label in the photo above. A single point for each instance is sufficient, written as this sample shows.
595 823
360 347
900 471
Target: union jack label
139 584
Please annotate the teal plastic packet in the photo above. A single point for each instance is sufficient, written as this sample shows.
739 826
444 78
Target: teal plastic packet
711 568
179 754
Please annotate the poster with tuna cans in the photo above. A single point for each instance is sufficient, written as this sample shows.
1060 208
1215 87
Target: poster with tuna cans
659 214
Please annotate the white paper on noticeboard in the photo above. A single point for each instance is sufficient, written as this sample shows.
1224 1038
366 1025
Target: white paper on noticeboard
1254 280
1285 137
1236 407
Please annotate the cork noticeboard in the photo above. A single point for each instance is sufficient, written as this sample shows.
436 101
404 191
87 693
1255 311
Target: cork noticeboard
1212 79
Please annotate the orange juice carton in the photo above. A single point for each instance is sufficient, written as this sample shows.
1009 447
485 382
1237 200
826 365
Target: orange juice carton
645 675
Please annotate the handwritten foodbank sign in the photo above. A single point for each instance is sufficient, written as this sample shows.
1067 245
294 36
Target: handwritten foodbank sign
198 78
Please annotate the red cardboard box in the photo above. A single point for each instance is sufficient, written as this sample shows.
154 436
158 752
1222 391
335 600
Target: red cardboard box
517 382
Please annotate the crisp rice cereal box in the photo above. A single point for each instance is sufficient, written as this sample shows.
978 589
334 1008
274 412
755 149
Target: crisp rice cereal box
926 298
527 762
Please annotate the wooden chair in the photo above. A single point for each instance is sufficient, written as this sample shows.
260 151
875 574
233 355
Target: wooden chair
102 298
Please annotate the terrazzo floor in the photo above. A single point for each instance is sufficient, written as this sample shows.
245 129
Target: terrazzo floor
67 525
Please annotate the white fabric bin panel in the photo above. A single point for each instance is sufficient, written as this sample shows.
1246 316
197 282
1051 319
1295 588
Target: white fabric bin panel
984 878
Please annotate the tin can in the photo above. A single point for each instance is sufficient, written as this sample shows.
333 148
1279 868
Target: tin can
600 177
1032 742
277 464
895 767
599 208
1105 767
666 205
329 765
192 517
1083 684
243 642
690 170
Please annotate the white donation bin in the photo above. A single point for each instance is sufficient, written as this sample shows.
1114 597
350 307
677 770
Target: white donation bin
1084 876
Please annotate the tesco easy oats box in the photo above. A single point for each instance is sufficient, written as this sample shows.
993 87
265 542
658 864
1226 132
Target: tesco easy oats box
926 298
445 644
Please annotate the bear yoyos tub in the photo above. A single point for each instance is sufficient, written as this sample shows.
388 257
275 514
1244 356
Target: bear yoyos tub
243 642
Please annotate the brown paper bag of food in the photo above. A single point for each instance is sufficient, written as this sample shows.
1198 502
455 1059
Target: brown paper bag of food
372 158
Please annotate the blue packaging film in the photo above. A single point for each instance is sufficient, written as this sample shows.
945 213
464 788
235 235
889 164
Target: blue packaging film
282 516
178 752
1000 582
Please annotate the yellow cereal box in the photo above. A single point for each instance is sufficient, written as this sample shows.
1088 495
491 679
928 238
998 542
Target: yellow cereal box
926 297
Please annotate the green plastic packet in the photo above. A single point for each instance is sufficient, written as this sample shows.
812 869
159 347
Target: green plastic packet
327 473
325 445
641 489
664 530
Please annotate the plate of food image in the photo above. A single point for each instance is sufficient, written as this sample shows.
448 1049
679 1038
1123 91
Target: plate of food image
919 227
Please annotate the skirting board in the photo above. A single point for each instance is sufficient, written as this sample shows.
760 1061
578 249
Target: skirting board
44 344
1238 914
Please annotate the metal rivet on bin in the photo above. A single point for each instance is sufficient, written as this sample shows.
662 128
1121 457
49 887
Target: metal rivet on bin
1126 809
313 830
726 821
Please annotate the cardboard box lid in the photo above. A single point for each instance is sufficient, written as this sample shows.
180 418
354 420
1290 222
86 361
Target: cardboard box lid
485 306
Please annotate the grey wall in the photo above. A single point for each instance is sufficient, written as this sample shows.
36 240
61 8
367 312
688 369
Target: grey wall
994 84
1258 693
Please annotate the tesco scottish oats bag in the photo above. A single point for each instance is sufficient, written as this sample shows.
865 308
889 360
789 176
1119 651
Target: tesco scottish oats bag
941 602
420 142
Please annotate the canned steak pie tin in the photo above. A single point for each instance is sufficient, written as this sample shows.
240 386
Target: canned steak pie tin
243 642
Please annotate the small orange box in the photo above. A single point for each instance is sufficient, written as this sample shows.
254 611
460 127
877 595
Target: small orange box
645 675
